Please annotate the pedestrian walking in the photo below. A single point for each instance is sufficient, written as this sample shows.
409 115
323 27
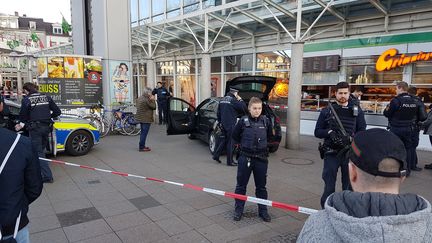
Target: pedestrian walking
145 106
230 108
252 132
337 124
403 113
36 115
375 211
162 96
20 185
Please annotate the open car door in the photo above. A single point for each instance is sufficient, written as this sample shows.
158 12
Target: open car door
181 117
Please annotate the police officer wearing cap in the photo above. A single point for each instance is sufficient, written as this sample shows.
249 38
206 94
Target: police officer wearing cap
162 95
403 113
37 111
336 139
253 132
230 107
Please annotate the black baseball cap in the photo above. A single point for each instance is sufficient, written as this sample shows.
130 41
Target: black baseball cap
370 147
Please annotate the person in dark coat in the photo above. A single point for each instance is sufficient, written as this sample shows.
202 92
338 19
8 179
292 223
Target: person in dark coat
162 96
252 132
145 106
20 183
230 108
36 114
327 128
403 113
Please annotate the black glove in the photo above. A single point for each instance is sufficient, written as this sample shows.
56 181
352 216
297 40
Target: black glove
339 141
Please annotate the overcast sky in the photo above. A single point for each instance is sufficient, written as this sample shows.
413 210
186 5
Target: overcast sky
49 10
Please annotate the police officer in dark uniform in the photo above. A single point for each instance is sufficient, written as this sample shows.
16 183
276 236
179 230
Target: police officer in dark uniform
403 113
253 132
1 110
412 90
356 95
162 101
336 139
37 111
230 107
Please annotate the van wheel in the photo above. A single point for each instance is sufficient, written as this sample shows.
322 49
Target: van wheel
79 143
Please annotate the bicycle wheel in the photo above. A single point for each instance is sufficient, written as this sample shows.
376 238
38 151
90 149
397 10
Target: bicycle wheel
106 127
130 126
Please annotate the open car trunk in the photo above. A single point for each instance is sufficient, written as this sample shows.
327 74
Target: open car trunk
250 86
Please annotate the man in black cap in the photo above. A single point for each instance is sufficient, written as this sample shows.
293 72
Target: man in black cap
230 108
403 113
374 211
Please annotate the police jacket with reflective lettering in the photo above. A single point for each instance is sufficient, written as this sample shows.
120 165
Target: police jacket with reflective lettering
162 94
229 109
405 110
38 107
253 134
352 124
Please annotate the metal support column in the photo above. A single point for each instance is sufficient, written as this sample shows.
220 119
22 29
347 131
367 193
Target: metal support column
292 134
205 82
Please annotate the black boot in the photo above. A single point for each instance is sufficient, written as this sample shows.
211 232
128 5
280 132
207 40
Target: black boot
237 215
265 216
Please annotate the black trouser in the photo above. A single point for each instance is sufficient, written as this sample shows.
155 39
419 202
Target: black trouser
416 140
329 175
39 138
406 135
245 167
227 143
162 110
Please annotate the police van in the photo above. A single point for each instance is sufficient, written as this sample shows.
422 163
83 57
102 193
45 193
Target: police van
74 135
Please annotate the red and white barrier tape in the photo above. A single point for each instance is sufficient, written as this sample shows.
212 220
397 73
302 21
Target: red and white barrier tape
198 188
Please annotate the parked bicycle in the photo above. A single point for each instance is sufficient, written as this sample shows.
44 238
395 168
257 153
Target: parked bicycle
121 121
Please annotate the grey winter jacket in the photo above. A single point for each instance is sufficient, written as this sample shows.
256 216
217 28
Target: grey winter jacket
370 217
145 108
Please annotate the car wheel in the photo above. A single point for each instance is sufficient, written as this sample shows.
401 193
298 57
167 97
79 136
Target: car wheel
273 149
79 143
191 136
212 142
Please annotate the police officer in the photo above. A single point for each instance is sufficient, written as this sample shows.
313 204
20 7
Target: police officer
335 138
162 101
253 132
356 95
412 90
403 113
37 111
230 107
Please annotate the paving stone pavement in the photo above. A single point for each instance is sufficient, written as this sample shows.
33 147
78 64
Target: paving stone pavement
89 206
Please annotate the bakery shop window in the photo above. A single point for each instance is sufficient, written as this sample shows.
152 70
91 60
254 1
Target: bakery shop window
375 98
422 73
314 98
268 62
361 70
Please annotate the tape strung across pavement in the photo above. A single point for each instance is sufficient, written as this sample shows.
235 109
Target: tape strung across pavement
269 203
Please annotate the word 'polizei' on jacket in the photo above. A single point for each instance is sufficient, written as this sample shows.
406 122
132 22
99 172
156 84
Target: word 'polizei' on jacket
37 107
405 110
253 135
